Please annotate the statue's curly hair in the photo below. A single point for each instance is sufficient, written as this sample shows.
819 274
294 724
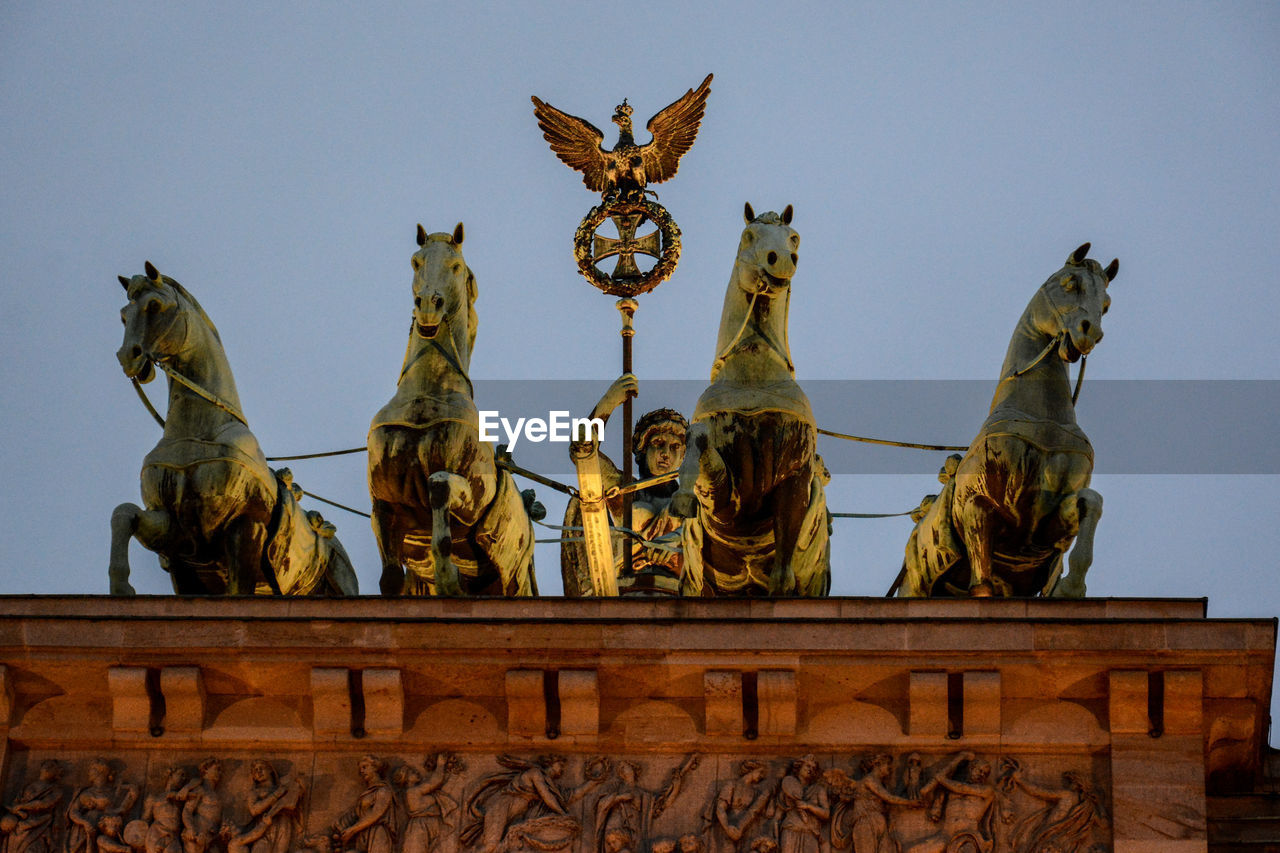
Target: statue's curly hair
648 425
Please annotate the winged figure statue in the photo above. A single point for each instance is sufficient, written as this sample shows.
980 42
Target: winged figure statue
628 168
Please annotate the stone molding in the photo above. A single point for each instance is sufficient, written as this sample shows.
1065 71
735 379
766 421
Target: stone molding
1148 702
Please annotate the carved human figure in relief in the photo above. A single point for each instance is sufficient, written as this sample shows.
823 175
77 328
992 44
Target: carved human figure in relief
274 808
429 808
803 802
27 825
962 811
617 841
369 825
1066 823
628 807
525 806
737 812
111 835
162 811
102 796
860 820
202 810
658 446
690 843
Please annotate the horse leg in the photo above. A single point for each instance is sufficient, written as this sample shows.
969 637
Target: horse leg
390 538
978 520
151 527
446 492
790 504
1087 510
243 551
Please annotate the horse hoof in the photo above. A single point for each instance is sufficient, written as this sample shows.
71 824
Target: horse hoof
122 588
1068 587
982 590
782 584
391 583
447 583
448 590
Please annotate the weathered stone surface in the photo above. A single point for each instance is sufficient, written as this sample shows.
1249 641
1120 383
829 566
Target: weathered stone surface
273 679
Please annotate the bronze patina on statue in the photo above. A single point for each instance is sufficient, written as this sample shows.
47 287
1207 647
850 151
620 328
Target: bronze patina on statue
751 485
1015 502
621 175
441 508
221 520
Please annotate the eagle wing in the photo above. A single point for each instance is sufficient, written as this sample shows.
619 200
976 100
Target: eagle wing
575 141
674 130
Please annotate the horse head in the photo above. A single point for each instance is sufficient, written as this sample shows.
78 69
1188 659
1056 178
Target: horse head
1072 303
443 287
767 251
155 326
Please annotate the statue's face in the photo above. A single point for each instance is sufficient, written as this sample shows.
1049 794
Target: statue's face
99 774
177 778
664 453
439 285
627 773
556 770
212 773
808 772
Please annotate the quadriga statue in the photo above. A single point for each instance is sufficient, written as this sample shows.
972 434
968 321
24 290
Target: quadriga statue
751 485
441 507
221 520
1017 499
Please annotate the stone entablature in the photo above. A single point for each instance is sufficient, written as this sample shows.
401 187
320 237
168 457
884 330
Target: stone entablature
1133 705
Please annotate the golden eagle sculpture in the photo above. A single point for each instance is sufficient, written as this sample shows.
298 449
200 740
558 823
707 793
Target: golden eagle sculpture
628 168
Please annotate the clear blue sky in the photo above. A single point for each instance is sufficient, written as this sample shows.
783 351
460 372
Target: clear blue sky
943 159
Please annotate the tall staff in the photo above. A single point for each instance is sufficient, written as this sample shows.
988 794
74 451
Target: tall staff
620 175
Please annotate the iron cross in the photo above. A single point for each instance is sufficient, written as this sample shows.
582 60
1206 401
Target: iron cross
627 246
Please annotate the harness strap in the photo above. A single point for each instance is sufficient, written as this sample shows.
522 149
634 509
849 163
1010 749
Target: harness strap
889 443
146 401
208 396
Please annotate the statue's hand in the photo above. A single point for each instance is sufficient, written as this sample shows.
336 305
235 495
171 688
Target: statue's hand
623 387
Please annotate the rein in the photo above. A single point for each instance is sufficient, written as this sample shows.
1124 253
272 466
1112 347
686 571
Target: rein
454 359
723 356
195 388
1053 344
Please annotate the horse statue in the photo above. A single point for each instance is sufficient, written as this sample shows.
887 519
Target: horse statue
221 520
1013 504
441 507
751 485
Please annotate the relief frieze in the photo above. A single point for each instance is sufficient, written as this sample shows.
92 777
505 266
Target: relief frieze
556 803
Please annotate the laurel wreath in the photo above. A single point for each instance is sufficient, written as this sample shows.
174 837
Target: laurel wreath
583 245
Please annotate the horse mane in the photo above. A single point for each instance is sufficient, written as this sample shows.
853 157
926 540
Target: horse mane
769 218
192 303
473 321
